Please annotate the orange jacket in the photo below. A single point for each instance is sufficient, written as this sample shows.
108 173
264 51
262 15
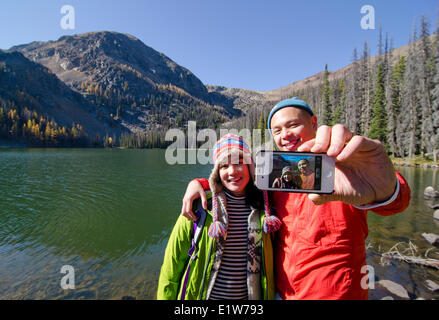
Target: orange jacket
320 250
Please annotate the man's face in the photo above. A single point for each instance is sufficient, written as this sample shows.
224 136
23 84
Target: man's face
303 166
291 127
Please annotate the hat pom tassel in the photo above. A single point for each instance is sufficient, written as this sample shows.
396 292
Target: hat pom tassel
271 224
217 230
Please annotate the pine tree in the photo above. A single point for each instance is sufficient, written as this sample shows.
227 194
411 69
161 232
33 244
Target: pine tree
378 125
339 116
326 99
261 126
353 99
435 90
410 119
396 84
380 43
426 68
364 91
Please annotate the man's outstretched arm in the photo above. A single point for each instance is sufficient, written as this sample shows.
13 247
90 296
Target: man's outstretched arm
364 173
195 190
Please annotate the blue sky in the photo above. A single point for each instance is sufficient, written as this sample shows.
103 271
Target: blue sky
253 44
293 158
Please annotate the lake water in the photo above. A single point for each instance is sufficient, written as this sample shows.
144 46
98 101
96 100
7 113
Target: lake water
108 214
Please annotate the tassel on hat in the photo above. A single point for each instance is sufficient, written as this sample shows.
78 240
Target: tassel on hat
217 228
271 222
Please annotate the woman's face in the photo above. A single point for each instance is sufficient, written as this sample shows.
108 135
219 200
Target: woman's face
234 177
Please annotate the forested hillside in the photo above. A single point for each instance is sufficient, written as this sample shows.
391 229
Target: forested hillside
37 109
107 88
124 86
393 96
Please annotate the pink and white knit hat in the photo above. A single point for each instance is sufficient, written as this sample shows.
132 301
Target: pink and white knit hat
233 145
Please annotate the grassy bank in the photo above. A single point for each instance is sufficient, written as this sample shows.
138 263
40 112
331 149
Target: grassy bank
417 161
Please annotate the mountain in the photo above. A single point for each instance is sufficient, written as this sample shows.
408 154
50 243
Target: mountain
244 99
110 83
316 79
392 97
140 88
110 59
26 84
236 97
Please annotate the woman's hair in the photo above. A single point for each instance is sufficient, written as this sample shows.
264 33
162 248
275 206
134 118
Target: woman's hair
253 196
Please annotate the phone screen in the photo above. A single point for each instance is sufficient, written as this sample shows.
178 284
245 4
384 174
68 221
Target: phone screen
292 171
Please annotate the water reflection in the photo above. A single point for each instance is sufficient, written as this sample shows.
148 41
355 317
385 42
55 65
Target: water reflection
385 232
109 213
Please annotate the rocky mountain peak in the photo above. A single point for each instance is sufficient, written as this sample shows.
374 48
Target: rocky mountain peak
111 59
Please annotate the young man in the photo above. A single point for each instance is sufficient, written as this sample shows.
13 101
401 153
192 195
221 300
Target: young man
320 251
307 175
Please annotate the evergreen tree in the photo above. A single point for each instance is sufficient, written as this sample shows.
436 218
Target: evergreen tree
410 119
339 116
435 90
378 125
261 126
353 99
396 84
364 91
426 68
326 98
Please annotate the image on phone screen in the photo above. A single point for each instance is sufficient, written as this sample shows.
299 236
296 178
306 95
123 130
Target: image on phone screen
296 172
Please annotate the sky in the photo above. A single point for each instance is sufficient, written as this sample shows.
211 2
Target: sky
294 158
253 44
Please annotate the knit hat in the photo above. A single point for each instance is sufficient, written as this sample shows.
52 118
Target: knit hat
234 146
286 170
291 102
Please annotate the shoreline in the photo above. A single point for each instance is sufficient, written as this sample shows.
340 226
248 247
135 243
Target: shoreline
400 162
417 162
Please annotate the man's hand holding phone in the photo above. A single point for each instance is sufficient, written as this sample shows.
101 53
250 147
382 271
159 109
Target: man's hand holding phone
363 171
295 172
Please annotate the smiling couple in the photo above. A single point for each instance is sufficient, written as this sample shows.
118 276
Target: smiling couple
314 245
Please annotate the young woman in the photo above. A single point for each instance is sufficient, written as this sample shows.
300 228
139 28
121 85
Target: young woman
287 180
233 257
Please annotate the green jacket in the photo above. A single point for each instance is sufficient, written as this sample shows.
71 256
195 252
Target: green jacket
204 268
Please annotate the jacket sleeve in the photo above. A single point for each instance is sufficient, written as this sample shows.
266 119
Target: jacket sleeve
204 183
401 202
175 260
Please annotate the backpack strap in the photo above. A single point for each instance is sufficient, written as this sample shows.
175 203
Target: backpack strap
198 227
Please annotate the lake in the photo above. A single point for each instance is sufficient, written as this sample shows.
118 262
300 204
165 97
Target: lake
108 214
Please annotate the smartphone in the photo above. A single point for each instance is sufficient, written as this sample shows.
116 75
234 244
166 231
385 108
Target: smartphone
301 172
